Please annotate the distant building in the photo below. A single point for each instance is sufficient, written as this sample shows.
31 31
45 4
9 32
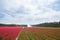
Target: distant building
29 25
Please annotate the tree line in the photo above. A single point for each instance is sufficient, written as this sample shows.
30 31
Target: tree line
50 24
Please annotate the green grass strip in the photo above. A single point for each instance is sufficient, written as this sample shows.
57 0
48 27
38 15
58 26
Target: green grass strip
22 38
30 37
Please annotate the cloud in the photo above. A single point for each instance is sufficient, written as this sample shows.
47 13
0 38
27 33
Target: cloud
28 11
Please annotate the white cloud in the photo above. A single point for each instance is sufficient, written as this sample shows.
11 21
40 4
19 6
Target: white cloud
28 11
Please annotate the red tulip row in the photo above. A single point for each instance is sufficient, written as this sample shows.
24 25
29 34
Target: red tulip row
9 33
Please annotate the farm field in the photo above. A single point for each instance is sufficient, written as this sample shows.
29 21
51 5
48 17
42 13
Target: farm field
29 33
40 34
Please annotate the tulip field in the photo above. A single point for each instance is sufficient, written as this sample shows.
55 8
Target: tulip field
29 33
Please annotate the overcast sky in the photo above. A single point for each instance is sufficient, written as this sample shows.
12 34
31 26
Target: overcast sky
29 11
